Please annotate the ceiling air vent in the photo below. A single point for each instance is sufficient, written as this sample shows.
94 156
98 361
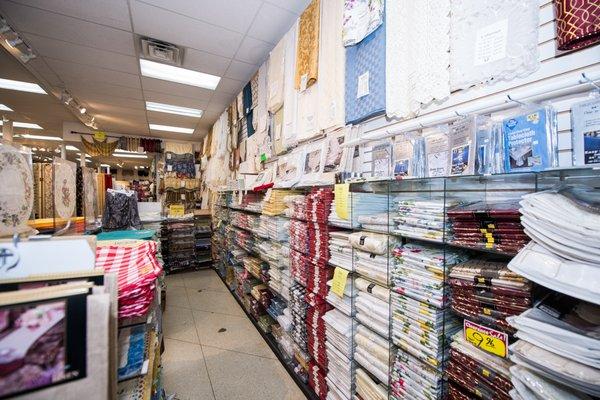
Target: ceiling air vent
157 50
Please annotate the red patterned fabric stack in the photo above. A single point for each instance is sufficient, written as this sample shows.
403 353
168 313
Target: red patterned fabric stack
317 380
577 23
137 269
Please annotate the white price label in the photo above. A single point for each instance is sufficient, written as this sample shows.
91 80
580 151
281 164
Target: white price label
362 88
490 43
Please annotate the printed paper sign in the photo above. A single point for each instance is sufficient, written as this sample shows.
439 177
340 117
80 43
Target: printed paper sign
342 191
487 339
490 43
363 85
340 276
176 210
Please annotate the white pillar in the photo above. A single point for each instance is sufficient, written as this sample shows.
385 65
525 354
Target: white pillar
7 131
63 151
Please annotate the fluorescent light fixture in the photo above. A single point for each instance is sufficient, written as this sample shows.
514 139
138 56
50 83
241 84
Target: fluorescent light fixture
170 109
72 148
41 137
86 160
5 108
124 155
24 125
184 76
105 165
21 86
128 152
156 127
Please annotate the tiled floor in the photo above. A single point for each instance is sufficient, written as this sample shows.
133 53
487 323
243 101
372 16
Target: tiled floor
212 350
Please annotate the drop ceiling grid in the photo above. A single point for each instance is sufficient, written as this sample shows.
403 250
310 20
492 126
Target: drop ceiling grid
75 36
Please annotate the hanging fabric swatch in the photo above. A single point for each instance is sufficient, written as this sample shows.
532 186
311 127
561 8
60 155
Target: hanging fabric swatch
184 148
275 76
492 41
308 110
307 59
360 19
577 23
332 58
366 77
417 65
290 111
248 112
260 109
16 196
96 148
64 187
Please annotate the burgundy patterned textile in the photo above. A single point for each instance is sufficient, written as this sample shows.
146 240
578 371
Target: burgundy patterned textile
577 23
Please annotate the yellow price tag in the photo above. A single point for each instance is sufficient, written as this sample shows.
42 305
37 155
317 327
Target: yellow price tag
176 210
491 226
342 194
100 136
487 339
489 245
340 276
485 372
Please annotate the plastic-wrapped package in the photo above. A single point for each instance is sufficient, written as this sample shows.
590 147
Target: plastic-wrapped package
585 120
405 159
437 150
289 169
462 144
530 139
544 388
313 162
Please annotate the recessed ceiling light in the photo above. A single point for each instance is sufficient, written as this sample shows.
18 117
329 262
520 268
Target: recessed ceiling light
21 86
171 73
170 109
5 108
125 155
167 128
40 137
23 125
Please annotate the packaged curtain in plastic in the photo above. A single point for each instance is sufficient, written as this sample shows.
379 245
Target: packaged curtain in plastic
417 65
530 139
406 156
276 130
365 87
339 348
585 122
372 307
290 168
577 24
420 219
382 154
437 150
307 53
331 66
360 19
290 94
313 164
368 389
340 250
372 353
462 142
492 41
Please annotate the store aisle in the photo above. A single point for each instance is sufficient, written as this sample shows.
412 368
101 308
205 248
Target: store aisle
212 350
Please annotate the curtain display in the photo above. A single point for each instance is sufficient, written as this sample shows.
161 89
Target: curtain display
577 23
64 187
307 58
275 76
365 85
16 196
290 95
492 41
417 65
360 19
96 148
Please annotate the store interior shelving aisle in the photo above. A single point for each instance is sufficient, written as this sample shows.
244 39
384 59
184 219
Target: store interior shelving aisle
212 350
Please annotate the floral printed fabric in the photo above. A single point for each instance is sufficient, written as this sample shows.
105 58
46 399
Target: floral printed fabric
64 188
16 196
307 56
361 18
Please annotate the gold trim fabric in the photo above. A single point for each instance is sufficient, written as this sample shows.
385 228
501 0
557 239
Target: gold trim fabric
307 53
96 148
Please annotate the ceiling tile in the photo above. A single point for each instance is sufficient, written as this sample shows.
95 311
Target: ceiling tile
253 51
175 100
271 23
158 85
10 68
75 74
96 108
205 62
44 72
73 30
113 13
100 101
94 88
241 71
235 15
231 86
182 30
220 101
82 54
296 6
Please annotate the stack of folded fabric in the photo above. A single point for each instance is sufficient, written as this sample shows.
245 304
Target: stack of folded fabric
372 353
317 379
298 308
178 244
137 269
315 331
299 236
564 255
372 307
345 303
420 271
277 228
377 222
300 267
335 220
274 203
318 205
558 350
369 389
295 206
340 350
340 250
245 221
372 255
255 266
251 201
491 225
472 372
488 292
421 219
243 239
370 208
